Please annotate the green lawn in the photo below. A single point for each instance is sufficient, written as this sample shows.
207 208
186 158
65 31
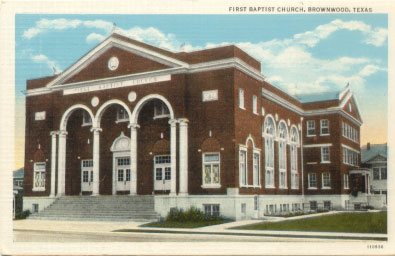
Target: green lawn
186 224
363 222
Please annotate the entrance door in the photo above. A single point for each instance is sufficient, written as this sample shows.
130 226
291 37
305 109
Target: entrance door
162 173
86 175
122 171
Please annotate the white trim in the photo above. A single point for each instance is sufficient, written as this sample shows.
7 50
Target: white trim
211 185
322 155
350 148
312 163
324 134
322 181
69 111
107 44
103 108
317 145
144 100
244 149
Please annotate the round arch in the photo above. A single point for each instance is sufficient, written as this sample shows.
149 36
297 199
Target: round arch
69 111
251 139
106 105
294 128
143 101
269 116
282 122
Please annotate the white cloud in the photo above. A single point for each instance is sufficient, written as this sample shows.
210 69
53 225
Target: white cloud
41 58
45 25
94 37
369 70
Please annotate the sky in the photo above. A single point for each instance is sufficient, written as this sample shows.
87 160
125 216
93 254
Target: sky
298 53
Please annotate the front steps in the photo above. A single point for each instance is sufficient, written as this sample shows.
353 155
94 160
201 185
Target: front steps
100 208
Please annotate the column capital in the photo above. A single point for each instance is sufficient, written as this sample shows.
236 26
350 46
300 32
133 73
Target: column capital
183 121
54 133
96 129
133 126
62 132
173 121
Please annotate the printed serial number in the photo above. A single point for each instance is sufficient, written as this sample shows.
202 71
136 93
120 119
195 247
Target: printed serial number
375 246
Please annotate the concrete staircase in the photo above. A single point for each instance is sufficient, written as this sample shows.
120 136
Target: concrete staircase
100 208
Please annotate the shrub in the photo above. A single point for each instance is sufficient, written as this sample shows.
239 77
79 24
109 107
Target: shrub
191 215
22 215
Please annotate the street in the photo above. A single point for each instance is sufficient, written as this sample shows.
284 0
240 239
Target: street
71 236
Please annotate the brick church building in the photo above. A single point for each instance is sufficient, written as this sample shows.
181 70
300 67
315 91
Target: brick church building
198 128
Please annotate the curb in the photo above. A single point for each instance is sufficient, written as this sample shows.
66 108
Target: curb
345 237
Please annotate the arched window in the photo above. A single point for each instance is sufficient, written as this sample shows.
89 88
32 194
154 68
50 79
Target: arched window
282 154
294 158
269 132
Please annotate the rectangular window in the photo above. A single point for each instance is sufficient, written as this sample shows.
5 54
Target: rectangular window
269 162
158 173
376 173
383 173
350 132
160 110
256 169
325 127
86 118
85 176
313 205
241 98
256 203
326 180
120 174
35 208
127 174
310 128
167 173
39 177
211 169
211 210
327 205
243 167
325 158
122 115
254 105
346 182
312 180
162 159
350 157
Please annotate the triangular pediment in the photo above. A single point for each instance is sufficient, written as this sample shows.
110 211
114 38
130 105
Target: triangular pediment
116 56
377 158
349 104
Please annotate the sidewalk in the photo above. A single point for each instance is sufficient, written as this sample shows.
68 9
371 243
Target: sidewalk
222 229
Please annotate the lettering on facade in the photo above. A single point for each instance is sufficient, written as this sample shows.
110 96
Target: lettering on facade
211 95
106 86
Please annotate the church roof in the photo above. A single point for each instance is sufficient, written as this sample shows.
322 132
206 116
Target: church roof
317 97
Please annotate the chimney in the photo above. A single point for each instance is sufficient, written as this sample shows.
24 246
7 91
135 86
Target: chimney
368 146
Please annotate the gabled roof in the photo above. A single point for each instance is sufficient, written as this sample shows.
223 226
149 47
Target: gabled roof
18 174
374 151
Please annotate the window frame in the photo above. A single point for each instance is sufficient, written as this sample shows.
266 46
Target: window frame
324 180
211 164
346 181
256 168
243 172
42 176
211 211
324 154
119 117
86 119
164 111
309 180
255 104
269 125
324 127
241 99
308 129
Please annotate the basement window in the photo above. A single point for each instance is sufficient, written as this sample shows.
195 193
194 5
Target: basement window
211 210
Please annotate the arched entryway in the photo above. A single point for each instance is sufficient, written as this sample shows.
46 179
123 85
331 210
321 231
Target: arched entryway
75 149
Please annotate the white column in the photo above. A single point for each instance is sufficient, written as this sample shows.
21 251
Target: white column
62 163
173 155
53 163
183 156
133 158
96 160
